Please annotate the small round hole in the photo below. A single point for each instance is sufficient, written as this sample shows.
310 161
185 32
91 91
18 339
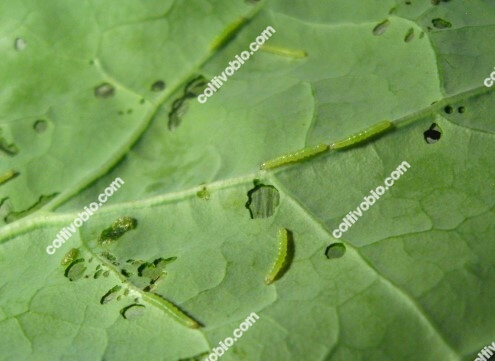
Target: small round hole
335 250
461 109
158 86
448 109
433 134
40 125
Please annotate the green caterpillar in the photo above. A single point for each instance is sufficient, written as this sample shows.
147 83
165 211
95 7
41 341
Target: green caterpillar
295 156
363 135
282 258
172 310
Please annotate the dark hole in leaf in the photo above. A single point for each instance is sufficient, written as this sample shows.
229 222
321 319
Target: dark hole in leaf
262 201
461 109
75 270
13 216
335 250
132 311
158 86
117 230
110 295
409 36
433 134
104 91
381 28
441 23
40 125
448 109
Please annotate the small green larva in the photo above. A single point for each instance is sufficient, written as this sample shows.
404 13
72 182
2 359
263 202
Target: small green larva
363 135
227 33
282 257
291 53
295 156
172 310
69 257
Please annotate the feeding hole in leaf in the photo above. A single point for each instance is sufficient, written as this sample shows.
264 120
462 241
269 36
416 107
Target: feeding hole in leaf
104 91
15 215
75 270
117 230
433 134
40 125
461 109
132 311
409 36
158 86
448 109
110 295
441 23
335 250
381 28
262 201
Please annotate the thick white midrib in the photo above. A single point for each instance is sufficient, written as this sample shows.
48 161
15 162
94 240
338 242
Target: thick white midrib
402 294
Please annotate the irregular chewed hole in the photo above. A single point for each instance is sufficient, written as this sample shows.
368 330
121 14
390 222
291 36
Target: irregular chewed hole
19 44
262 201
40 125
97 274
461 109
409 36
381 28
179 108
15 215
448 109
195 87
110 295
132 311
117 230
75 270
335 250
154 270
158 86
433 134
7 146
104 91
441 23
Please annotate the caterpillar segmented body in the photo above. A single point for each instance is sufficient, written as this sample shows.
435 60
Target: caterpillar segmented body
295 156
282 257
291 53
172 310
363 135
